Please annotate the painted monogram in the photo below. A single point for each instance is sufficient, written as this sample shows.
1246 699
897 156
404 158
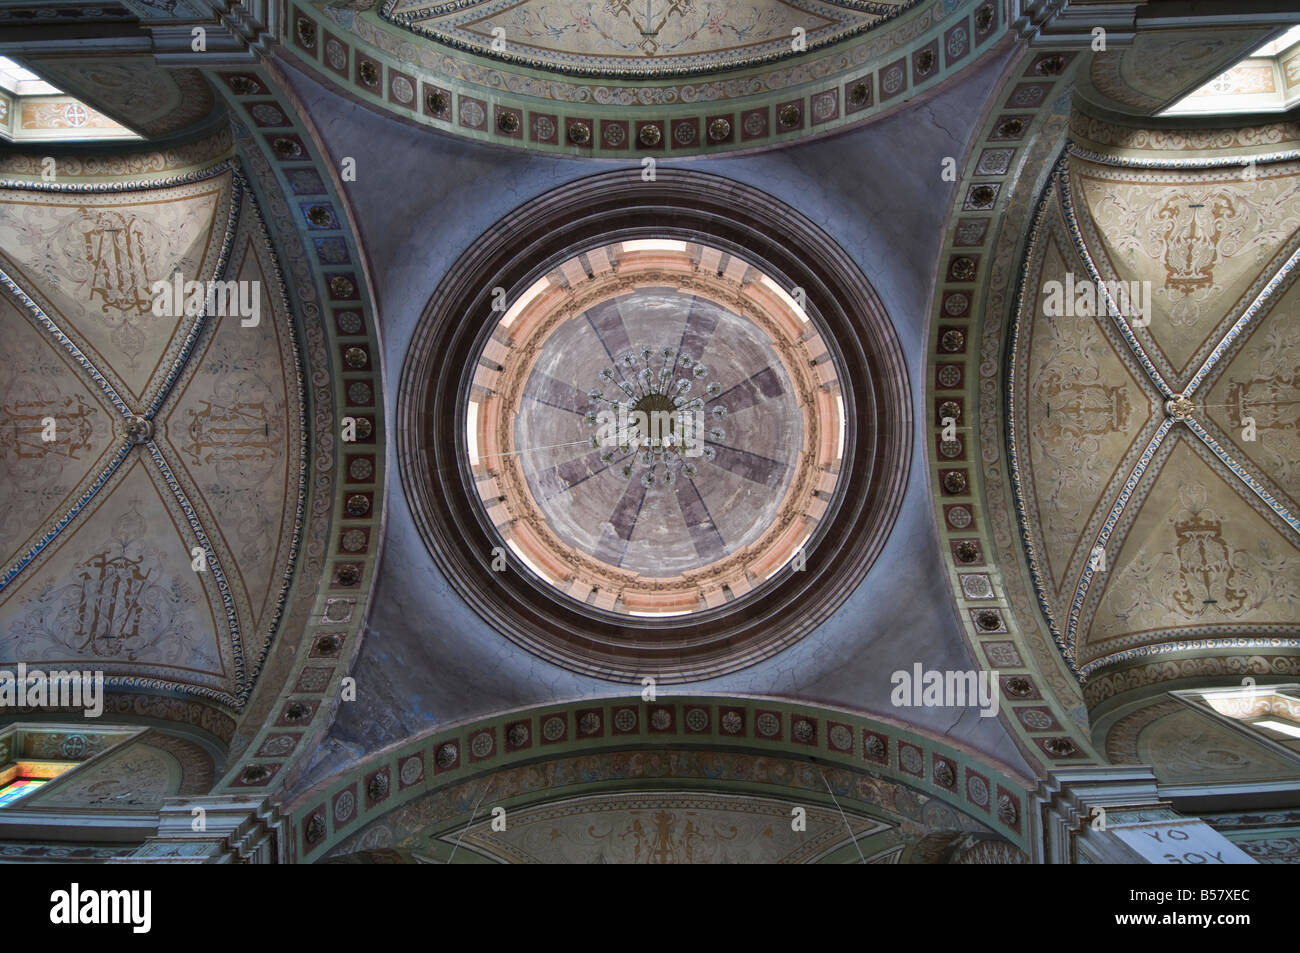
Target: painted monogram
1273 402
1189 235
119 602
1076 409
114 250
1205 575
237 432
22 426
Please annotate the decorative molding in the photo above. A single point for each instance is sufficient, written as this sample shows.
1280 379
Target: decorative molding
304 206
824 90
993 201
417 20
852 750
236 830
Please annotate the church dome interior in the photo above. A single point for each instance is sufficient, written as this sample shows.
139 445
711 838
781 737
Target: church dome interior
649 432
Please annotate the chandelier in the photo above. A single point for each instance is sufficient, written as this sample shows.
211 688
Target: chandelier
653 424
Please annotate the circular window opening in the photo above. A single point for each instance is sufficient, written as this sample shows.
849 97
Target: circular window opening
655 428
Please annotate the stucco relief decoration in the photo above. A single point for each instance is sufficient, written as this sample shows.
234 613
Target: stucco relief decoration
1193 749
436 38
138 776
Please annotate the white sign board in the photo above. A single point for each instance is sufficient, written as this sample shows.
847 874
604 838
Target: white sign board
1181 842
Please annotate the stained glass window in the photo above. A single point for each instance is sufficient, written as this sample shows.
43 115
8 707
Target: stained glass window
17 788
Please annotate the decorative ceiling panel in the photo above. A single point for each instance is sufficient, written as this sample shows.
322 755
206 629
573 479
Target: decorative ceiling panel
1086 408
133 90
1183 745
138 776
93 260
1258 396
665 828
162 555
230 427
1197 561
638 38
1201 239
1161 66
118 595
43 478
1159 529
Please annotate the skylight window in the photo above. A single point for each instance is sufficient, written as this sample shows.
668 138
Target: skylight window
1285 728
23 82
1270 713
1284 42
32 110
1266 81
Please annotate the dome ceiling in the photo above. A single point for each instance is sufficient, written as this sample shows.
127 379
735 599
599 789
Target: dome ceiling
1155 455
617 574
713 489
159 423
643 39
662 529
